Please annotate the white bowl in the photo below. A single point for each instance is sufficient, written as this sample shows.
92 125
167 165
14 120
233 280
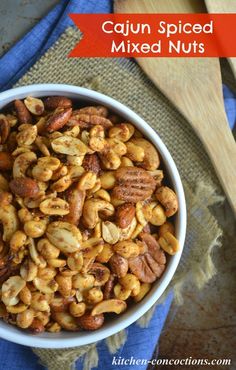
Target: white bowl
70 339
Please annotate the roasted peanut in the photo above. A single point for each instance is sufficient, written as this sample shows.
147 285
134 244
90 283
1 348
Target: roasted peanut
168 199
47 249
35 229
93 296
167 226
18 240
34 105
25 318
169 243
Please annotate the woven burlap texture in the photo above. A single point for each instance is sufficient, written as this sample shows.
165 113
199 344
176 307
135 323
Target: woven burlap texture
123 80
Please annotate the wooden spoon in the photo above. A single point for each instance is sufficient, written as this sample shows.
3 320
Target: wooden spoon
194 86
219 6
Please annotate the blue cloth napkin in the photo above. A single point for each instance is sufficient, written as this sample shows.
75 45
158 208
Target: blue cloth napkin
140 343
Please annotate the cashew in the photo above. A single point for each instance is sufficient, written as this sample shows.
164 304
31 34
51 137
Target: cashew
87 181
122 132
22 162
9 220
64 236
131 282
121 293
18 308
100 272
91 210
144 289
110 305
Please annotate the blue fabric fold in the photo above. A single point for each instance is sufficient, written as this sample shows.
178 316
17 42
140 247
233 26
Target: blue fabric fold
15 63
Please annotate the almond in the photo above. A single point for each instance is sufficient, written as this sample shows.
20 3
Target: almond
58 120
4 128
22 112
53 102
6 162
91 163
89 322
75 198
24 187
124 215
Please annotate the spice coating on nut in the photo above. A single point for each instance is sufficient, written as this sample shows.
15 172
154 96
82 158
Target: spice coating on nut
86 215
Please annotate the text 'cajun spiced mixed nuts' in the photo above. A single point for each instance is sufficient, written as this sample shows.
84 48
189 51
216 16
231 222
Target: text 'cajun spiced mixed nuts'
84 215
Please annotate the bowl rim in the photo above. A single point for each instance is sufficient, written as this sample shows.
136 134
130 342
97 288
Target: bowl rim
13 334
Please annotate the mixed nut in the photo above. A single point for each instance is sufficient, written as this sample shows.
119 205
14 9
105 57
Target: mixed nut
84 215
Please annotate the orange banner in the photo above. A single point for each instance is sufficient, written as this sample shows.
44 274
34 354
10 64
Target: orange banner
155 35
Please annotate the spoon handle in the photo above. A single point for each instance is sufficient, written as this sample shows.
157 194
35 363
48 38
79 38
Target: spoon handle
221 148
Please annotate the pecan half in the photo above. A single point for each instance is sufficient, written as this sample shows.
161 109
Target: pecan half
58 120
85 120
91 163
22 112
4 128
53 102
98 110
108 287
124 215
133 184
24 187
150 265
6 161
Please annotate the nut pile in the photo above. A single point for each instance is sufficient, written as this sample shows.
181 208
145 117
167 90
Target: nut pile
84 227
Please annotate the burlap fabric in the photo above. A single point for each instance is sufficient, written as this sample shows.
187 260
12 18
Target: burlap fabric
125 81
